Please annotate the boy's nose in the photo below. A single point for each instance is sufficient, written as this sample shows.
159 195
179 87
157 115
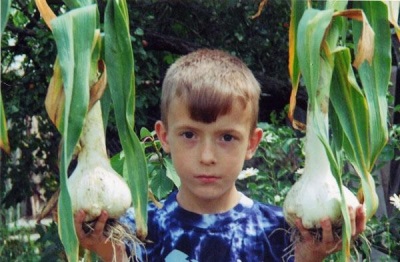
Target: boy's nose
207 154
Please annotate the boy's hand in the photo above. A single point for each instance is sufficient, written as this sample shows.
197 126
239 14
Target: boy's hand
308 249
95 240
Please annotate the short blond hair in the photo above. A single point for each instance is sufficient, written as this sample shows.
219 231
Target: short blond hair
210 81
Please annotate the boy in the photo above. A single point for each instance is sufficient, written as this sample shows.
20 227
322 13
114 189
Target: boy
209 112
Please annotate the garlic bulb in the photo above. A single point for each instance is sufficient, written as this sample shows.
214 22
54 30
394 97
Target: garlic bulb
94 185
316 194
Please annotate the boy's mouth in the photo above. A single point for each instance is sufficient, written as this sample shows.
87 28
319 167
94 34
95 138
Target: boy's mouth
207 179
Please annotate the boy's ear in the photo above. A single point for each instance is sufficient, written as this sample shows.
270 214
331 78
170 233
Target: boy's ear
254 141
161 132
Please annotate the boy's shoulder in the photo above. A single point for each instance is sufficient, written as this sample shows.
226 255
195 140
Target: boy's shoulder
269 211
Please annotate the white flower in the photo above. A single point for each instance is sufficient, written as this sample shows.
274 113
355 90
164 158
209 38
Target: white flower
277 198
395 200
270 137
251 171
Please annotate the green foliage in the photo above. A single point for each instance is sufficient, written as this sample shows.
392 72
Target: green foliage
18 245
278 158
34 150
33 244
394 145
162 176
51 248
381 235
25 69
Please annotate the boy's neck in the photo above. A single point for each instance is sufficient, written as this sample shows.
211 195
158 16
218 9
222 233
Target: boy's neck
204 206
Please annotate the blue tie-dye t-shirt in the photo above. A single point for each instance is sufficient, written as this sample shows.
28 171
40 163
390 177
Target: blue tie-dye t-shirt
251 231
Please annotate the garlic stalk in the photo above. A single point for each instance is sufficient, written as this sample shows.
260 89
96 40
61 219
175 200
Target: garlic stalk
316 194
94 185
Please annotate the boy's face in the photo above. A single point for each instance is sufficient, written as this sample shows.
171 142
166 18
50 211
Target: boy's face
208 156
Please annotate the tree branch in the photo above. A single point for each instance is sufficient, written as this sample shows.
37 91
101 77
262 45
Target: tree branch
20 31
159 42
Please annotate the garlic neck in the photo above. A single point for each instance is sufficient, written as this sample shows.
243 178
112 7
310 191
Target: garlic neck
93 140
316 160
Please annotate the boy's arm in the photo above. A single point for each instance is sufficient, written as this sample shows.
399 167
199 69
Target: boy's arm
96 241
309 250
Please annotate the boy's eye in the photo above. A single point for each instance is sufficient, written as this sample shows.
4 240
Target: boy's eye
227 138
188 134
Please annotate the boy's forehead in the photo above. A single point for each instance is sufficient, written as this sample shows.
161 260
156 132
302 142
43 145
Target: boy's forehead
179 107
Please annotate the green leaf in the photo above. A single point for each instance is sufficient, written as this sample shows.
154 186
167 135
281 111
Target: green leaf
161 185
5 9
144 132
375 77
121 79
362 113
171 173
74 35
4 143
72 4
311 31
117 162
336 5
347 120
351 109
297 10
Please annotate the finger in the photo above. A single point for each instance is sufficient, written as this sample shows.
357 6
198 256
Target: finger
79 218
361 219
100 223
327 234
352 215
304 233
331 243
